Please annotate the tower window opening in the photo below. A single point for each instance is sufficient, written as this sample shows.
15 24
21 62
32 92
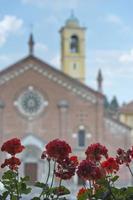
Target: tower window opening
74 44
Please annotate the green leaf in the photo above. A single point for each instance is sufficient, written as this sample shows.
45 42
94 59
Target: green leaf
25 179
9 175
103 182
115 178
27 191
23 188
100 193
36 198
5 194
62 190
41 185
13 197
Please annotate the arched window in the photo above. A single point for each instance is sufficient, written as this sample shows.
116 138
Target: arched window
74 44
81 138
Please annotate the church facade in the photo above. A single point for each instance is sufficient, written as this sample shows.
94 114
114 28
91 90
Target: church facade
39 103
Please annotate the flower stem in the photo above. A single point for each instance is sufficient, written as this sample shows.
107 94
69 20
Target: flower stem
130 170
17 189
59 188
110 190
47 196
53 175
46 179
90 187
48 172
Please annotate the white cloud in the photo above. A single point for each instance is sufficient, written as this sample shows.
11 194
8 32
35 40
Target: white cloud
126 57
40 47
115 19
113 68
9 25
117 76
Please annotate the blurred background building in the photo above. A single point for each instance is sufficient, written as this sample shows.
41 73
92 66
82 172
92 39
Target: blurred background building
39 103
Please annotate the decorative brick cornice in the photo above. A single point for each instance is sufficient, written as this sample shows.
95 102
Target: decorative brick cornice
52 74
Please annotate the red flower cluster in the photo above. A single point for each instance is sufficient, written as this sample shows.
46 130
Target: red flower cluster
57 150
12 163
95 152
110 165
12 146
66 168
87 170
124 157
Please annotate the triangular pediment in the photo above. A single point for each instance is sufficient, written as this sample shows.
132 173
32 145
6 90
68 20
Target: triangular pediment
50 73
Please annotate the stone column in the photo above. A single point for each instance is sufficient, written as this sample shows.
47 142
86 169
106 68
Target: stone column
99 121
63 118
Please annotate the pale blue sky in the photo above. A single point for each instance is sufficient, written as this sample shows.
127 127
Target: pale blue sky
109 37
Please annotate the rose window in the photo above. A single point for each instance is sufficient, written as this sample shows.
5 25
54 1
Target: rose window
31 103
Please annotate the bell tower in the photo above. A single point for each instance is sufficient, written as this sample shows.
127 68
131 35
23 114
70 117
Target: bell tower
73 49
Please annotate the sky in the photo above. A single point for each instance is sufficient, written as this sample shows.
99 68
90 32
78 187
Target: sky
109 37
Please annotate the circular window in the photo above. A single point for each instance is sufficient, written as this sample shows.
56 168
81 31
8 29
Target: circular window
31 103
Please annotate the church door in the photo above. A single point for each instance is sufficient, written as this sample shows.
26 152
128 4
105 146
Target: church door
31 171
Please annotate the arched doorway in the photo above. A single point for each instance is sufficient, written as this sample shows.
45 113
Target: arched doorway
32 164
31 160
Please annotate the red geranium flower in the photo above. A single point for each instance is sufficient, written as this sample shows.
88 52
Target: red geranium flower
96 151
124 156
66 168
12 146
74 160
57 149
110 165
12 163
87 170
